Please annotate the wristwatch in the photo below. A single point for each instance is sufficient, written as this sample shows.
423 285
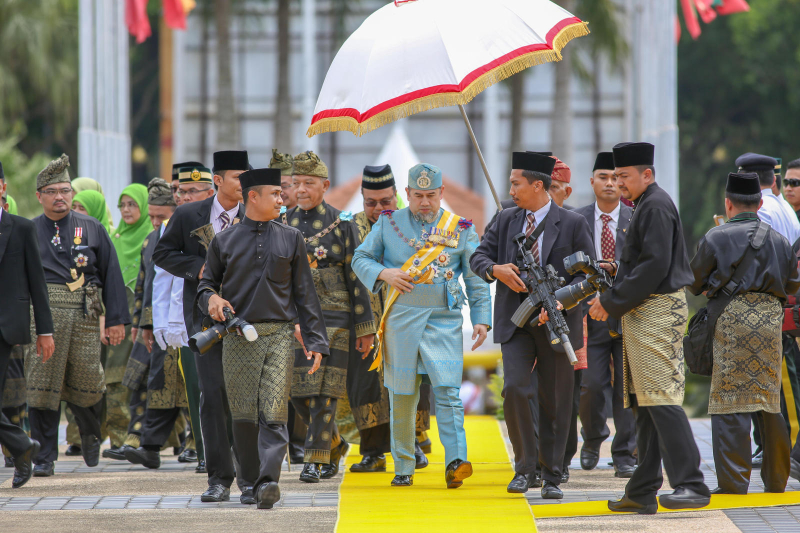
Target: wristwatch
490 272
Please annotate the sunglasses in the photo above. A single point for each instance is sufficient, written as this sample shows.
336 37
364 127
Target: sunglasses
792 183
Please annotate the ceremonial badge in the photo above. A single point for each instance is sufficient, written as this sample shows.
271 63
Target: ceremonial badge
78 235
56 240
196 175
443 259
423 181
448 274
320 252
81 261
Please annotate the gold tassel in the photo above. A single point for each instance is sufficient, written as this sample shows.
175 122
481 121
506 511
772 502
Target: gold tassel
426 103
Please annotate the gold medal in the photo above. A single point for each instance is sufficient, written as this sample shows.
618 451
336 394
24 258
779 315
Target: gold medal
77 240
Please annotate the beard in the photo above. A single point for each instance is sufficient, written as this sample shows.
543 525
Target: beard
425 219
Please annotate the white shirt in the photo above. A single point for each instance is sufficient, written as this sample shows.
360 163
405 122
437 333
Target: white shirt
538 216
782 220
216 212
598 228
162 288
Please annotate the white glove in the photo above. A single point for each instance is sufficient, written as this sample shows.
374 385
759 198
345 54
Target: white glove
159 334
175 335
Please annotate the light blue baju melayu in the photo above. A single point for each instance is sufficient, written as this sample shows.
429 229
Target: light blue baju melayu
423 332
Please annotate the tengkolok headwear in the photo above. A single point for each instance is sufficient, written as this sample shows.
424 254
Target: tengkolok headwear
159 193
424 177
309 164
283 162
55 172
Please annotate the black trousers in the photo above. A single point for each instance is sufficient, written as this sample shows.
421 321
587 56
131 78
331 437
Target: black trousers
663 433
11 436
44 427
138 409
594 409
158 424
730 436
572 437
260 448
375 440
215 417
551 383
297 432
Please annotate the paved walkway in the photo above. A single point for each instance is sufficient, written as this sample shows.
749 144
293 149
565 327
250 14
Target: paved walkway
117 495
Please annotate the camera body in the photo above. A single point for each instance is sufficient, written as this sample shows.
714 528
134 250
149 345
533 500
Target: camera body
597 280
206 339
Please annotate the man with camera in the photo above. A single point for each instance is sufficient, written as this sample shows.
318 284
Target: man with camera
259 270
552 233
648 296
747 270
181 251
608 222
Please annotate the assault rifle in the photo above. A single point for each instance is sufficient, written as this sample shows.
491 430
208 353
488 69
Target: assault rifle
542 284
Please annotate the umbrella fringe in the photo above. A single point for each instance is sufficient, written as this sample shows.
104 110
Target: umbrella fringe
434 101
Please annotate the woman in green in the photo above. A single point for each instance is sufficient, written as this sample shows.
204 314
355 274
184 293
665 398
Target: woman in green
128 238
93 204
88 184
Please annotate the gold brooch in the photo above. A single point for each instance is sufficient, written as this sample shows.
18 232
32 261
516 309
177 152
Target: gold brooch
195 175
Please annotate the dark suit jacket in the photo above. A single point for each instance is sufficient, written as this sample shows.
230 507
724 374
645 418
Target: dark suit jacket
598 331
183 255
565 233
22 282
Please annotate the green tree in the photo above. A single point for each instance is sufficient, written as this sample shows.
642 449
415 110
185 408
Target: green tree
20 173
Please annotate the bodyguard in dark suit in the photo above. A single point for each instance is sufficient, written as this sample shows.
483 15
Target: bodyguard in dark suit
181 251
496 258
24 284
602 216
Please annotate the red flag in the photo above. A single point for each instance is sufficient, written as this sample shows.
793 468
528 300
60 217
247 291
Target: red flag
691 19
704 8
136 19
732 6
174 14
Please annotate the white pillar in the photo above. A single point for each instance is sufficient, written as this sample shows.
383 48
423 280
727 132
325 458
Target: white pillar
491 149
310 92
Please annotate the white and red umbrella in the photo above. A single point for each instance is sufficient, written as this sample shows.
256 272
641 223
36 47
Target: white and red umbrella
414 55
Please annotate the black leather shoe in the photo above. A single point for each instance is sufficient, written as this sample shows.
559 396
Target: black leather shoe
589 457
518 485
419 456
624 471
73 450
457 472
9 462
23 465
426 446
626 505
44 470
268 495
329 470
550 491
565 475
719 490
402 481
146 458
310 473
758 460
216 493
118 454
200 468
248 497
188 456
794 468
683 498
90 449
535 480
370 463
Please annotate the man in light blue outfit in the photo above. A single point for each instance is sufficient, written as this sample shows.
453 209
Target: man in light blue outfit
420 252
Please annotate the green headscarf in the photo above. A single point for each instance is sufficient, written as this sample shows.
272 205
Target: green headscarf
95 204
128 239
12 204
88 184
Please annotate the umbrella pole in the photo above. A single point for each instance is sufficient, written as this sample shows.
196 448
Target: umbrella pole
480 156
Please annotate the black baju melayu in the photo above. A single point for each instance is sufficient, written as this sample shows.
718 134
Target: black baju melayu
746 376
262 269
75 249
648 296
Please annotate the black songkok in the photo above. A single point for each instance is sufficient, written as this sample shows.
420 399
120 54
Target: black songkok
746 184
231 160
260 176
377 178
533 162
604 161
633 154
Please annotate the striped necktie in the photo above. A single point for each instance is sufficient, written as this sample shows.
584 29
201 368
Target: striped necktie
226 220
528 233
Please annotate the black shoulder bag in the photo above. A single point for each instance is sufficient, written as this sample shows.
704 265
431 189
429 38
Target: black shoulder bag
698 344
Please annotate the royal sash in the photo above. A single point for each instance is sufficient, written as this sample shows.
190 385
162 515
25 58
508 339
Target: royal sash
414 267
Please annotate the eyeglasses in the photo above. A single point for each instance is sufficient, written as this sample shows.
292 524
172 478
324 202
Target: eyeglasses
386 202
792 183
127 205
191 192
53 192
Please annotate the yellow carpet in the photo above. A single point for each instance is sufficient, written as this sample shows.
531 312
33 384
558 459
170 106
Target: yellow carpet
720 501
367 502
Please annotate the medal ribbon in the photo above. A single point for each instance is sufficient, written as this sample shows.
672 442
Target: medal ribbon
426 256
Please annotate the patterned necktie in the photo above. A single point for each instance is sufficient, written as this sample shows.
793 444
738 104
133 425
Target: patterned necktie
226 220
607 243
528 233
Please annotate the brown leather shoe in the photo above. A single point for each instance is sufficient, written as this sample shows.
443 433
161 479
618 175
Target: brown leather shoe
457 472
